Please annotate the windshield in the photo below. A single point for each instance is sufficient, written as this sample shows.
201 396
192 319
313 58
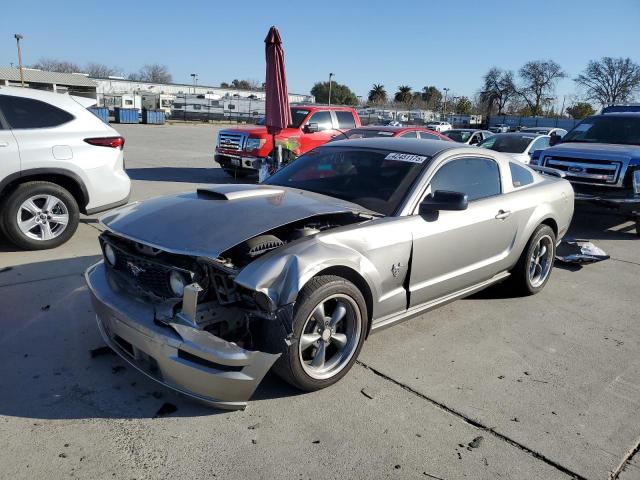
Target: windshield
364 133
297 116
458 135
378 180
509 143
606 129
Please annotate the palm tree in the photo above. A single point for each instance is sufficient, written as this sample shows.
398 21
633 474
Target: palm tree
403 95
377 94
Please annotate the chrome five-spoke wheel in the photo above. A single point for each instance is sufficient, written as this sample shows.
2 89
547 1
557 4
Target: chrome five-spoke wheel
330 336
541 261
42 217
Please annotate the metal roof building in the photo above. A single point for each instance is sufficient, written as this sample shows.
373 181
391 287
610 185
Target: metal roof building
75 83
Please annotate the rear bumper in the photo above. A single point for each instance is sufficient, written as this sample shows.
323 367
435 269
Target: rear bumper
186 359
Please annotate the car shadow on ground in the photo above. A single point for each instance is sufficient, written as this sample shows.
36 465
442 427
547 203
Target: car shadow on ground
54 364
186 175
591 222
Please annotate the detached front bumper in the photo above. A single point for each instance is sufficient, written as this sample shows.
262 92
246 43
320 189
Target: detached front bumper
186 359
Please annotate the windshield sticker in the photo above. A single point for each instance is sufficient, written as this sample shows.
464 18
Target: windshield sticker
405 157
385 133
583 127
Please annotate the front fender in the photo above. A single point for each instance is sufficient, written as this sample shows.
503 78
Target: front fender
282 275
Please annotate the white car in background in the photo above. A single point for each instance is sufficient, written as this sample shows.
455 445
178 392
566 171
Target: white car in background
519 146
499 128
439 126
57 160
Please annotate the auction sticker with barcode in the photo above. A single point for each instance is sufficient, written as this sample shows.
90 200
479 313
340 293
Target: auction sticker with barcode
405 157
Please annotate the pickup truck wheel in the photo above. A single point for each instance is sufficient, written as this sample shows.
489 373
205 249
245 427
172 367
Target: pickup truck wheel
39 215
533 269
329 323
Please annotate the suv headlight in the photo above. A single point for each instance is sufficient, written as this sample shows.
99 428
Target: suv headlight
636 181
254 143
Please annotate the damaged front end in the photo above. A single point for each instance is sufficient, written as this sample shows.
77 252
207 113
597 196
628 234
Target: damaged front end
184 321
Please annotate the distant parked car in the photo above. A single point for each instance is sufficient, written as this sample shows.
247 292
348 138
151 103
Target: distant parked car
390 131
519 146
560 132
57 160
391 123
470 136
439 126
499 128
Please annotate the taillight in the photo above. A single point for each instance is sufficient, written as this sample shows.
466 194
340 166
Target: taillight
113 142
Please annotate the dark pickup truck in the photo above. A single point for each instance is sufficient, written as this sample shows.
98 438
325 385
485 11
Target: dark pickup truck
601 158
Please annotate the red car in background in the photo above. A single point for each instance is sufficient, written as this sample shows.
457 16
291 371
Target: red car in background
382 131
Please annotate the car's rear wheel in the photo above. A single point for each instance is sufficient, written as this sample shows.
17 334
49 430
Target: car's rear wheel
40 215
533 269
329 323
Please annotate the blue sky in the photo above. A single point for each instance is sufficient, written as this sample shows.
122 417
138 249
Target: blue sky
446 44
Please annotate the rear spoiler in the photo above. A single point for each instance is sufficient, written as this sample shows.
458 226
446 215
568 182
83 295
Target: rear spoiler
548 171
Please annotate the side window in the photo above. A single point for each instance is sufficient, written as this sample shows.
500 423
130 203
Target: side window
428 136
345 120
29 113
477 177
520 176
540 144
411 134
323 119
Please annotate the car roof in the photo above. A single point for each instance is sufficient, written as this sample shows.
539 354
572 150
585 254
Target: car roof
405 145
303 106
520 134
388 128
616 114
465 130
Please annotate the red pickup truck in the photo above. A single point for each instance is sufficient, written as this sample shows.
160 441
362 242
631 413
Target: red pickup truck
240 150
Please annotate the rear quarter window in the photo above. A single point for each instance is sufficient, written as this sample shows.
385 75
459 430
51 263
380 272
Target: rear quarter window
345 119
23 113
520 176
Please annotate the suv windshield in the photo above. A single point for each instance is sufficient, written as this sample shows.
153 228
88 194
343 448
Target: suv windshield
458 135
623 130
375 179
508 143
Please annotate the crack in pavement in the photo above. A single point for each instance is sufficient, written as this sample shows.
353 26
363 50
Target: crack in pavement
625 461
476 424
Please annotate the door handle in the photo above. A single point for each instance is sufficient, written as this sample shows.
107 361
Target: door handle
502 214
4 144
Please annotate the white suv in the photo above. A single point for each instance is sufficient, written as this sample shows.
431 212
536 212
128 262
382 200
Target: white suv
57 160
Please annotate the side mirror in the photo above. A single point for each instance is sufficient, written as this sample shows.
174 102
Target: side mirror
443 200
554 139
311 128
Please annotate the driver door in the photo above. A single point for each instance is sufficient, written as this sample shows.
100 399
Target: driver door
459 249
326 131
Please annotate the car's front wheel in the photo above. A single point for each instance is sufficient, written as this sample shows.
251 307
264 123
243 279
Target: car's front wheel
533 269
39 215
329 322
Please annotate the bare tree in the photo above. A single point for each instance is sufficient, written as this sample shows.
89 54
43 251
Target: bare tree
54 65
497 89
538 81
154 72
100 70
610 80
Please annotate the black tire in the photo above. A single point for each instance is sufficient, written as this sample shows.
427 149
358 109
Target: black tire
22 193
520 280
289 366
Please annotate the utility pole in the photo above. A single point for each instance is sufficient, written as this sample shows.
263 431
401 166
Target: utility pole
19 37
330 78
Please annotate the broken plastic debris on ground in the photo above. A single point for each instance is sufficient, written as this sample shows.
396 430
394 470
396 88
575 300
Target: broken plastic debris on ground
579 251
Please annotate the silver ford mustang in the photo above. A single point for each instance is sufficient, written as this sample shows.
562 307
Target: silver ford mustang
206 291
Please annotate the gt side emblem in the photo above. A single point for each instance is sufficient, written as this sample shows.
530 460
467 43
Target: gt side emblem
134 269
395 269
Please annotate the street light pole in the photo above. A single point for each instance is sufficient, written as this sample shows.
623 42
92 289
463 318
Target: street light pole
330 78
19 37
444 105
194 76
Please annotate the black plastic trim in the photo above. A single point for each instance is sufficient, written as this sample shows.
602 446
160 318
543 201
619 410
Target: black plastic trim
48 171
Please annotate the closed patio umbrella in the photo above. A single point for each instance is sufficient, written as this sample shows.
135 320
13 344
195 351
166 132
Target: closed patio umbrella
278 114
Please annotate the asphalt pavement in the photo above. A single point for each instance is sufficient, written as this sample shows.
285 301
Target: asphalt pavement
488 387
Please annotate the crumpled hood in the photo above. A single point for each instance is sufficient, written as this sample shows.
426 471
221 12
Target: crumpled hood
217 217
595 150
